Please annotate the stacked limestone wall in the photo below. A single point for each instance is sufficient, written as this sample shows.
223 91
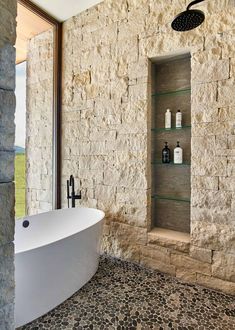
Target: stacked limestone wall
7 136
106 124
39 123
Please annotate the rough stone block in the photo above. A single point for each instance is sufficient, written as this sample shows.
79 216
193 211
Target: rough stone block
138 69
219 22
104 192
7 126
231 142
216 284
224 266
117 244
186 275
138 92
6 274
201 254
205 183
219 5
207 130
7 166
116 10
7 138
226 114
8 22
226 90
203 114
157 253
131 214
106 229
127 49
213 52
132 28
135 112
215 200
132 196
105 36
227 183
7 222
126 177
210 71
209 215
158 44
7 67
130 143
10 5
119 90
7 317
45 206
213 166
232 66
213 236
231 167
184 262
204 93
157 265
82 78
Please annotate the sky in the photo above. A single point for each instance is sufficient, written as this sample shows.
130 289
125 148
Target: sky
20 115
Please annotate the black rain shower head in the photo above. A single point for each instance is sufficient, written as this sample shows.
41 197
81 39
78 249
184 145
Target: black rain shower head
189 19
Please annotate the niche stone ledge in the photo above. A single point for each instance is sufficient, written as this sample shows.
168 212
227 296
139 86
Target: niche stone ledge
169 238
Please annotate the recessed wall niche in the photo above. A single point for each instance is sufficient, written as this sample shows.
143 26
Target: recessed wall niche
171 188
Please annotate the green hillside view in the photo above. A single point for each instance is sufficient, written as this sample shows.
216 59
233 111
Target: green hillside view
19 185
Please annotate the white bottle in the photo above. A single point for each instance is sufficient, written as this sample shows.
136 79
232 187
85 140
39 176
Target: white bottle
178 154
178 117
168 119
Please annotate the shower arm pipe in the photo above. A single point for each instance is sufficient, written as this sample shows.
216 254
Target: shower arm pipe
193 3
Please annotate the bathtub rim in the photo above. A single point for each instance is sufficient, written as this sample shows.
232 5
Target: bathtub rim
101 218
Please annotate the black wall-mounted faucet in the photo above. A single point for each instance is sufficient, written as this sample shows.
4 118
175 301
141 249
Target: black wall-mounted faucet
73 197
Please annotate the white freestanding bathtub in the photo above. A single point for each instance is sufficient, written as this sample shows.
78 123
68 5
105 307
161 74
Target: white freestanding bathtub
54 257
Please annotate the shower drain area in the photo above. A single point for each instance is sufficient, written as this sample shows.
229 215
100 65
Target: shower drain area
125 296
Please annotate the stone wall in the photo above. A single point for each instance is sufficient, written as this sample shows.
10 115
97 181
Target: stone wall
7 136
39 123
106 124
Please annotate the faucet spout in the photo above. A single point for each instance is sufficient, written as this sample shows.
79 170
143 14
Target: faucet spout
71 180
71 183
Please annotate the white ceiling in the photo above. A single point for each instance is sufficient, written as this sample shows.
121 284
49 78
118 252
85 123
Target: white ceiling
64 9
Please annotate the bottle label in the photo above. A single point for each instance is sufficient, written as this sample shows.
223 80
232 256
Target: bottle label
178 156
166 156
179 120
168 120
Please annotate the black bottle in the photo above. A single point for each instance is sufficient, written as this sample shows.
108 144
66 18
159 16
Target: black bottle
166 154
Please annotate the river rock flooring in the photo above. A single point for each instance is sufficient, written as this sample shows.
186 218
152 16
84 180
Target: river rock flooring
125 296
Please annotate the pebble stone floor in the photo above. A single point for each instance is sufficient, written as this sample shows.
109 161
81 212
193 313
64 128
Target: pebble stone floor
123 296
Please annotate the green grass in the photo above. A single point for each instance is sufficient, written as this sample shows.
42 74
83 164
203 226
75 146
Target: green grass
20 185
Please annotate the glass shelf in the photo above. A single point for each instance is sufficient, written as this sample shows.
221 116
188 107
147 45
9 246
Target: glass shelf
172 93
159 162
172 198
163 129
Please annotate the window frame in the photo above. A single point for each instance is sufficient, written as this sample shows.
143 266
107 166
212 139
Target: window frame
57 100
